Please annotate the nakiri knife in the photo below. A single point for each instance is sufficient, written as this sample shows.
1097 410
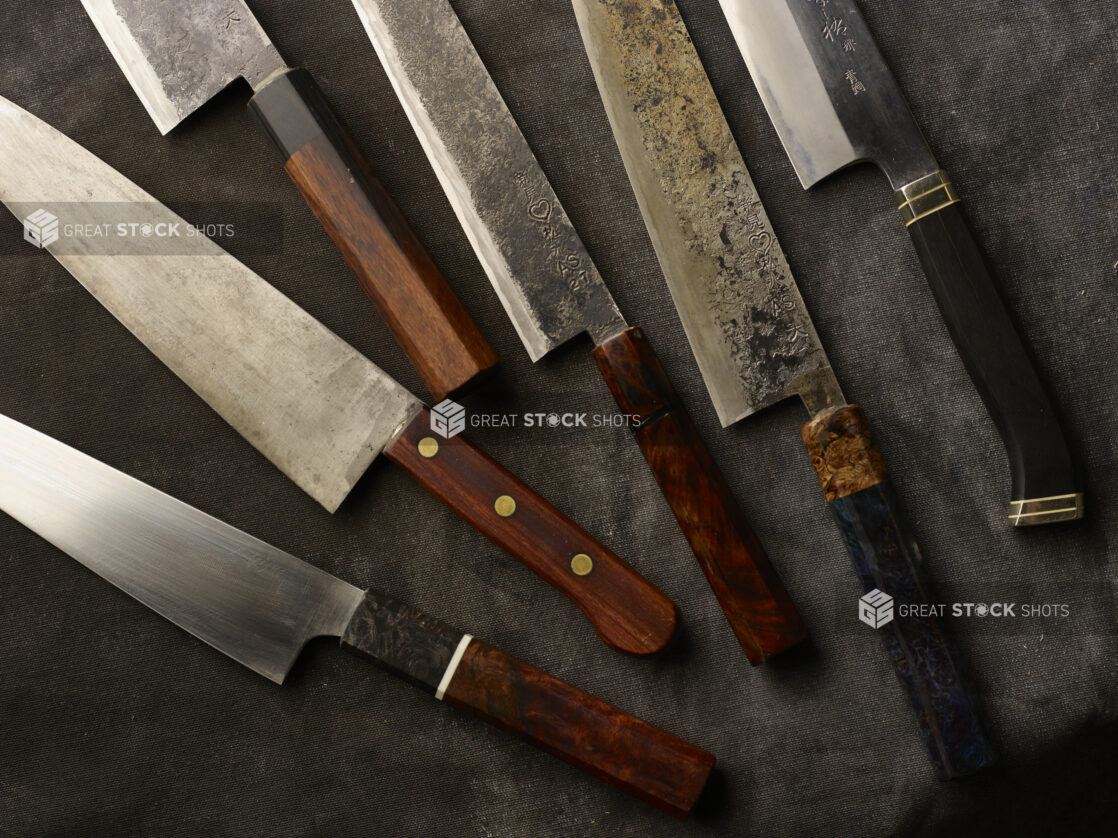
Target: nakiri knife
752 335
834 102
552 292
177 56
260 606
308 401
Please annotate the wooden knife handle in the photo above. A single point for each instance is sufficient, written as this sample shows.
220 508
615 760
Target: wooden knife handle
602 740
1045 477
628 612
440 339
745 583
887 559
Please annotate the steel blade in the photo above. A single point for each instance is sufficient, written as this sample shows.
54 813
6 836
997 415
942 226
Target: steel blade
745 320
177 55
534 258
245 598
827 88
308 401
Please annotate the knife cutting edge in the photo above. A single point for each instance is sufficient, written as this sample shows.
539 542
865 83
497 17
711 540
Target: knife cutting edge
260 606
834 102
308 401
552 292
752 335
179 55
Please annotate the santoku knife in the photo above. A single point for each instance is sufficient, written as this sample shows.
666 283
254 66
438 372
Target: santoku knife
260 606
308 401
553 292
834 102
179 55
751 332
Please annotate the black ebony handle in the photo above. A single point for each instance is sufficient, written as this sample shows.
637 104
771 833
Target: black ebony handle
585 731
1045 477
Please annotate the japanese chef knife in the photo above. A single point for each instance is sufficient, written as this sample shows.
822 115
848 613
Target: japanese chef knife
260 606
179 55
553 292
304 398
834 102
751 333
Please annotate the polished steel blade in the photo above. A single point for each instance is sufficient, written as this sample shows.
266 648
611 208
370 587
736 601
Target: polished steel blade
245 598
747 324
542 273
178 55
827 88
306 399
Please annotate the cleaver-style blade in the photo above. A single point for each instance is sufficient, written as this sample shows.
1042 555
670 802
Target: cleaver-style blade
835 102
260 606
744 314
552 292
309 402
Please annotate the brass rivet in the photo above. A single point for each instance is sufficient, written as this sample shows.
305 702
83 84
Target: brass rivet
581 564
505 506
428 446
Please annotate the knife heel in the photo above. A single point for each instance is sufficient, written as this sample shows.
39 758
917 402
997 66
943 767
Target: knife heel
413 298
760 611
589 733
865 505
1045 480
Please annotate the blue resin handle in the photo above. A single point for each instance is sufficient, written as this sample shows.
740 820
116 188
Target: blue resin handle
887 559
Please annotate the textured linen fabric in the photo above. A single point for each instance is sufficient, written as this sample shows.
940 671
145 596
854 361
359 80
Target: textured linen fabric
113 722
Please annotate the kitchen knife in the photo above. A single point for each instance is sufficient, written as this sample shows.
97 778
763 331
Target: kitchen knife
179 55
834 102
304 398
751 332
260 606
553 292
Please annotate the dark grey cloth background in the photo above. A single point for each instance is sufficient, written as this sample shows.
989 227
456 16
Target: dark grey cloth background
114 722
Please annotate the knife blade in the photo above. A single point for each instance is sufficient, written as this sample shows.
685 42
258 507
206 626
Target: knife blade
308 401
752 334
260 606
834 103
553 292
179 55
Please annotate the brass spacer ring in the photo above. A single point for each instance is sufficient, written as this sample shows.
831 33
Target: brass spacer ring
505 506
925 196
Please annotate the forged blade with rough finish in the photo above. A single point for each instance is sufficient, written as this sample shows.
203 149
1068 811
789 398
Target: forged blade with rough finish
308 401
747 324
178 55
827 88
245 598
532 254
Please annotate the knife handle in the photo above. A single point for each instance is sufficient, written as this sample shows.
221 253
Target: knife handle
748 588
436 333
602 740
861 496
1045 480
628 612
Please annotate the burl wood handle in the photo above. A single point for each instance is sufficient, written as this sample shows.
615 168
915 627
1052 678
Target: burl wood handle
745 583
628 612
440 339
886 558
1046 486
614 746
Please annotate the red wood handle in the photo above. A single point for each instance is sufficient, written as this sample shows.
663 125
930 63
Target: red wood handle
436 333
585 731
745 583
628 612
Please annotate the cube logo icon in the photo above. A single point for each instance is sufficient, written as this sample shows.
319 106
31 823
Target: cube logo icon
448 419
41 228
875 609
